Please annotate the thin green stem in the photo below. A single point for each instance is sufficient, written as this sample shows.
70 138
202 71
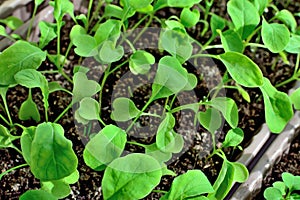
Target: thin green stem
151 115
106 74
252 34
62 72
58 44
144 29
49 72
64 112
205 56
31 21
89 14
160 191
130 45
118 66
256 45
185 107
3 118
295 75
101 121
217 46
136 143
7 109
11 169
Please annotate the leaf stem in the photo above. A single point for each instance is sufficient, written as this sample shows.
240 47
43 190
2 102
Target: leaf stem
11 169
160 191
6 108
89 14
31 21
201 55
3 118
136 143
63 112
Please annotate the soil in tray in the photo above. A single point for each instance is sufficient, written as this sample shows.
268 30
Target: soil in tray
289 162
198 141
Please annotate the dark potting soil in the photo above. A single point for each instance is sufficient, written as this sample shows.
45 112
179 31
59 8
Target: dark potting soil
289 162
197 139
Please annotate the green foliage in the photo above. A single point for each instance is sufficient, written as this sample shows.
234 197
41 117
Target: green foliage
89 109
233 138
48 33
288 18
37 195
110 53
189 18
182 4
140 62
124 109
6 138
12 22
210 119
295 96
29 110
231 41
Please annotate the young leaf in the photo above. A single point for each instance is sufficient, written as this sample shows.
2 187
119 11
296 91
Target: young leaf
288 18
104 147
294 44
189 18
233 138
242 69
210 119
89 109
59 189
177 44
109 53
260 5
291 181
272 193
228 108
37 195
275 36
12 22
241 173
61 8
52 156
155 152
278 107
131 177
216 22
109 30
111 10
124 109
6 138
26 56
295 98
38 2
48 33
170 78
2 31
26 141
31 78
191 184
244 15
139 4
224 181
182 4
77 31
140 62
83 87
244 93
280 186
231 41
83 18
86 45
29 110
192 82
166 139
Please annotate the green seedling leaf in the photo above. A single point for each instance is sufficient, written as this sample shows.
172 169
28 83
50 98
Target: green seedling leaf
86 45
83 18
140 62
26 56
109 30
61 8
244 16
167 172
177 44
131 177
210 119
59 188
155 152
189 185
104 147
224 181
272 193
2 31
89 109
294 44
146 10
73 178
26 141
111 10
182 4
261 5
192 82
159 4
216 23
83 87
278 107
166 139
109 53
55 86
291 181
280 186
233 138
79 68
242 69
77 31
288 19
12 22
31 78
295 98
37 195
139 4
38 2
228 108
170 78
48 33
231 41
52 156
241 173
6 138
244 93
189 18
124 109
275 36
29 110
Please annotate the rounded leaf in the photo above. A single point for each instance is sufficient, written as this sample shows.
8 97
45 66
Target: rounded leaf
139 4
124 109
89 109
140 62
241 173
233 137
189 18
37 195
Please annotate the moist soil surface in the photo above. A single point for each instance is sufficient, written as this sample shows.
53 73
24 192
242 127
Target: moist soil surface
197 139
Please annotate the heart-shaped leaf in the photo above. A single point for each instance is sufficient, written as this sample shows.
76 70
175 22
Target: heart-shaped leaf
109 53
48 33
233 137
294 45
241 173
288 18
109 30
242 69
104 147
278 107
131 177
231 41
89 109
29 110
291 181
189 18
59 188
210 119
31 78
155 152
192 82
140 62
61 8
216 23
170 78
275 36
272 193
124 109
86 45
244 15
83 87
26 56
